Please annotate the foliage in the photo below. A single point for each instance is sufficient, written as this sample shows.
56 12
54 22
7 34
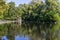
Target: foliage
38 17
3 7
11 12
42 16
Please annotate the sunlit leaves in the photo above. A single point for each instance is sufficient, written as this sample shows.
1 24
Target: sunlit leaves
3 8
43 16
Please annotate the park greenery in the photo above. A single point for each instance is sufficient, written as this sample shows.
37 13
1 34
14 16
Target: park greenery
39 19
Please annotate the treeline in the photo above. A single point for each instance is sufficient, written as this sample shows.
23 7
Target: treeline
45 16
8 10
43 11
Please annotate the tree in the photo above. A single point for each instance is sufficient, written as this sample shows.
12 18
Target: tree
11 12
42 16
3 7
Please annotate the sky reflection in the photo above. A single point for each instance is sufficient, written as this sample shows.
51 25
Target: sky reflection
17 38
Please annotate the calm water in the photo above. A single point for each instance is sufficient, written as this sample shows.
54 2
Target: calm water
15 31
17 38
12 31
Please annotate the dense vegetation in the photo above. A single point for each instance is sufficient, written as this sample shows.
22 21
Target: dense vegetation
38 17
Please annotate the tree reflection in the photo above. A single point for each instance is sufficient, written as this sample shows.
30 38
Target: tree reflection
9 30
13 29
41 30
37 31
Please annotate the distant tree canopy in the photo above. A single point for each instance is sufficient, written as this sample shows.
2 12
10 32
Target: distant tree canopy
3 7
35 12
13 12
10 13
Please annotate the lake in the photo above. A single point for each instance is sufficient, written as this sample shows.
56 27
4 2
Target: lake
17 38
12 31
27 31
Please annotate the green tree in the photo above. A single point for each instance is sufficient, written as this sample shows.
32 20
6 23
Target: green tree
3 7
42 16
11 12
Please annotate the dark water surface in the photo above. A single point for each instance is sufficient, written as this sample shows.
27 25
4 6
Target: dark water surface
12 31
28 31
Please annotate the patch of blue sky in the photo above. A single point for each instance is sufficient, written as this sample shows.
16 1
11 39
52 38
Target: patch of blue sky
17 2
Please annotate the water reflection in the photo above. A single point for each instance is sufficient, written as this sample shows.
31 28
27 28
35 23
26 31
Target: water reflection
37 31
21 38
10 32
4 38
41 30
17 38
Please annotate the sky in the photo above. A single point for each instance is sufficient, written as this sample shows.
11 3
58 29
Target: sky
17 2
17 38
